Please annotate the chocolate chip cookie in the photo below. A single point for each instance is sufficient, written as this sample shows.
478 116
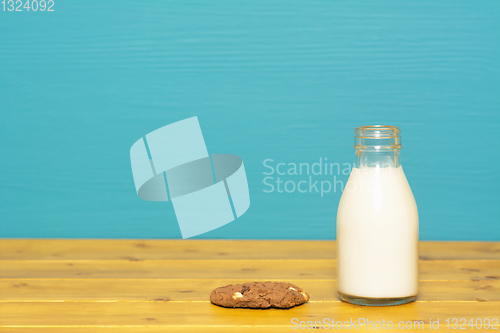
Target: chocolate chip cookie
259 295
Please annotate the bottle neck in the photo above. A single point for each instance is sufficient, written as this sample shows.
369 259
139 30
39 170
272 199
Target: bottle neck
377 158
377 146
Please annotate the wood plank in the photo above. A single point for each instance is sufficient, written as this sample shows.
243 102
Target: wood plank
152 290
184 329
180 329
153 329
224 269
83 249
459 250
194 313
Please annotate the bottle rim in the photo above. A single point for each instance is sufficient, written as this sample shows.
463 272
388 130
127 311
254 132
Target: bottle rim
377 132
377 138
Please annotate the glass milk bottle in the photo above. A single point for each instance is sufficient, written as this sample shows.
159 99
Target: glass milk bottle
377 224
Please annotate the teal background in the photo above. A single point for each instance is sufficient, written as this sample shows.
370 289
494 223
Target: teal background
281 80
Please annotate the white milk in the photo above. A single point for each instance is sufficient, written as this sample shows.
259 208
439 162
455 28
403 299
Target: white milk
377 235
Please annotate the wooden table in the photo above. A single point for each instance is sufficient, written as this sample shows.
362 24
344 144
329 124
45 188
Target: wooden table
163 285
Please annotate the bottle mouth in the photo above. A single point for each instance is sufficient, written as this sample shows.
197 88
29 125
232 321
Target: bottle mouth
377 131
377 137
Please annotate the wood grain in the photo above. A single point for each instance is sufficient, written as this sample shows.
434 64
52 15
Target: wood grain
78 249
182 329
194 313
182 290
220 269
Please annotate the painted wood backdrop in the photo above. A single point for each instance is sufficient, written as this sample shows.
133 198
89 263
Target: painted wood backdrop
280 80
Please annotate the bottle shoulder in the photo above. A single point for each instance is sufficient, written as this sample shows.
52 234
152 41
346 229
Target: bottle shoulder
382 189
